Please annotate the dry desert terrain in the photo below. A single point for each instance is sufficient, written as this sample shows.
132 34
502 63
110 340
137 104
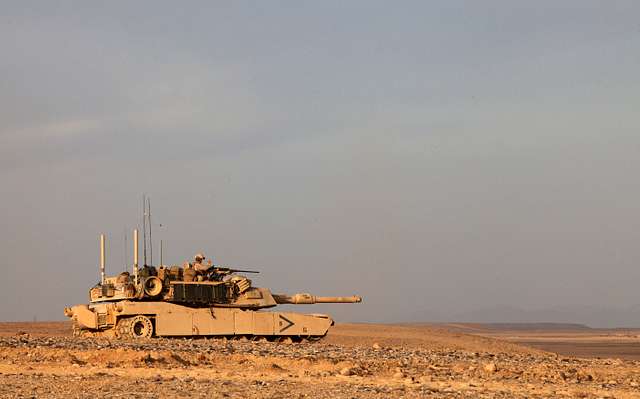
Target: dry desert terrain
353 361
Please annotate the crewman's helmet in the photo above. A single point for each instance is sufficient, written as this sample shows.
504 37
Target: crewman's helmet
199 257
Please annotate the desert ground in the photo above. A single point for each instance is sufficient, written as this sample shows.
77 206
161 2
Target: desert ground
569 340
353 361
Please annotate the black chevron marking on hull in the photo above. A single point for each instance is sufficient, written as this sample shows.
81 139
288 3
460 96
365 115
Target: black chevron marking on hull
289 323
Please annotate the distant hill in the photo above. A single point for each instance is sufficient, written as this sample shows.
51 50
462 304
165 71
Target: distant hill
536 326
475 328
575 315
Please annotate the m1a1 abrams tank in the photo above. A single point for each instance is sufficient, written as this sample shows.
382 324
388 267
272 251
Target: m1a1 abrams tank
193 300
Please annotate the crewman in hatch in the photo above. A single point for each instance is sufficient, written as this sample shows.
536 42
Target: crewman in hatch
199 265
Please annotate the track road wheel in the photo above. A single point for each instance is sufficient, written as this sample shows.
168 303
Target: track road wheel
140 327
285 340
122 327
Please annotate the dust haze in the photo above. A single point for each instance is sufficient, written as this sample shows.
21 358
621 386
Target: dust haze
447 161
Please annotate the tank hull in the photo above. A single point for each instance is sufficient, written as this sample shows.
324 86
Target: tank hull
146 319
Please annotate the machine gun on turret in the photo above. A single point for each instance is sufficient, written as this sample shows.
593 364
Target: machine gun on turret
217 273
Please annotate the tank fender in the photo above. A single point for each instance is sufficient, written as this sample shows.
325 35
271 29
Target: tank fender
85 317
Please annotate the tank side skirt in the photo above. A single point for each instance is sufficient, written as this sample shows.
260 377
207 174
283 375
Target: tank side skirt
177 320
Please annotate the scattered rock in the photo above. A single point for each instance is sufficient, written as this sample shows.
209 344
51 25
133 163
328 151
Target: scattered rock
490 367
346 371
425 379
439 373
583 376
410 381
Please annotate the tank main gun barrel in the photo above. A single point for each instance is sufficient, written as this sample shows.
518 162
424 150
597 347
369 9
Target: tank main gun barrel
308 299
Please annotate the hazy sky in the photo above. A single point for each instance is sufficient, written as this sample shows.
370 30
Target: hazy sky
445 160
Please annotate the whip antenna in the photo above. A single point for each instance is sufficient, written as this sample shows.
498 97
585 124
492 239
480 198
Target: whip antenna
124 253
144 229
150 240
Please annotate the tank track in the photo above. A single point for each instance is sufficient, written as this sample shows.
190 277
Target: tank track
125 330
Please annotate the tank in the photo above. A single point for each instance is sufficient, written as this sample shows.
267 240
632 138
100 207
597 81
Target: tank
192 300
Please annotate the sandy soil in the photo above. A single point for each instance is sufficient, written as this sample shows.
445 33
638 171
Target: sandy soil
354 361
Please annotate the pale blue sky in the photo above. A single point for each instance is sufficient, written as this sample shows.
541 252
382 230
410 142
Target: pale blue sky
442 159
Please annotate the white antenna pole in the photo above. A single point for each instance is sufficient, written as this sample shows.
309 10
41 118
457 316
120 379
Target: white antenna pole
102 259
135 256
150 238
124 251
144 229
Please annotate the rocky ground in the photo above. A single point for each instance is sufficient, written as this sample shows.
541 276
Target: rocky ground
357 362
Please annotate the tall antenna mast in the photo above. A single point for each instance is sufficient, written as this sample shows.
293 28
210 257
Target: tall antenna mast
124 254
144 229
102 259
150 240
161 264
135 256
